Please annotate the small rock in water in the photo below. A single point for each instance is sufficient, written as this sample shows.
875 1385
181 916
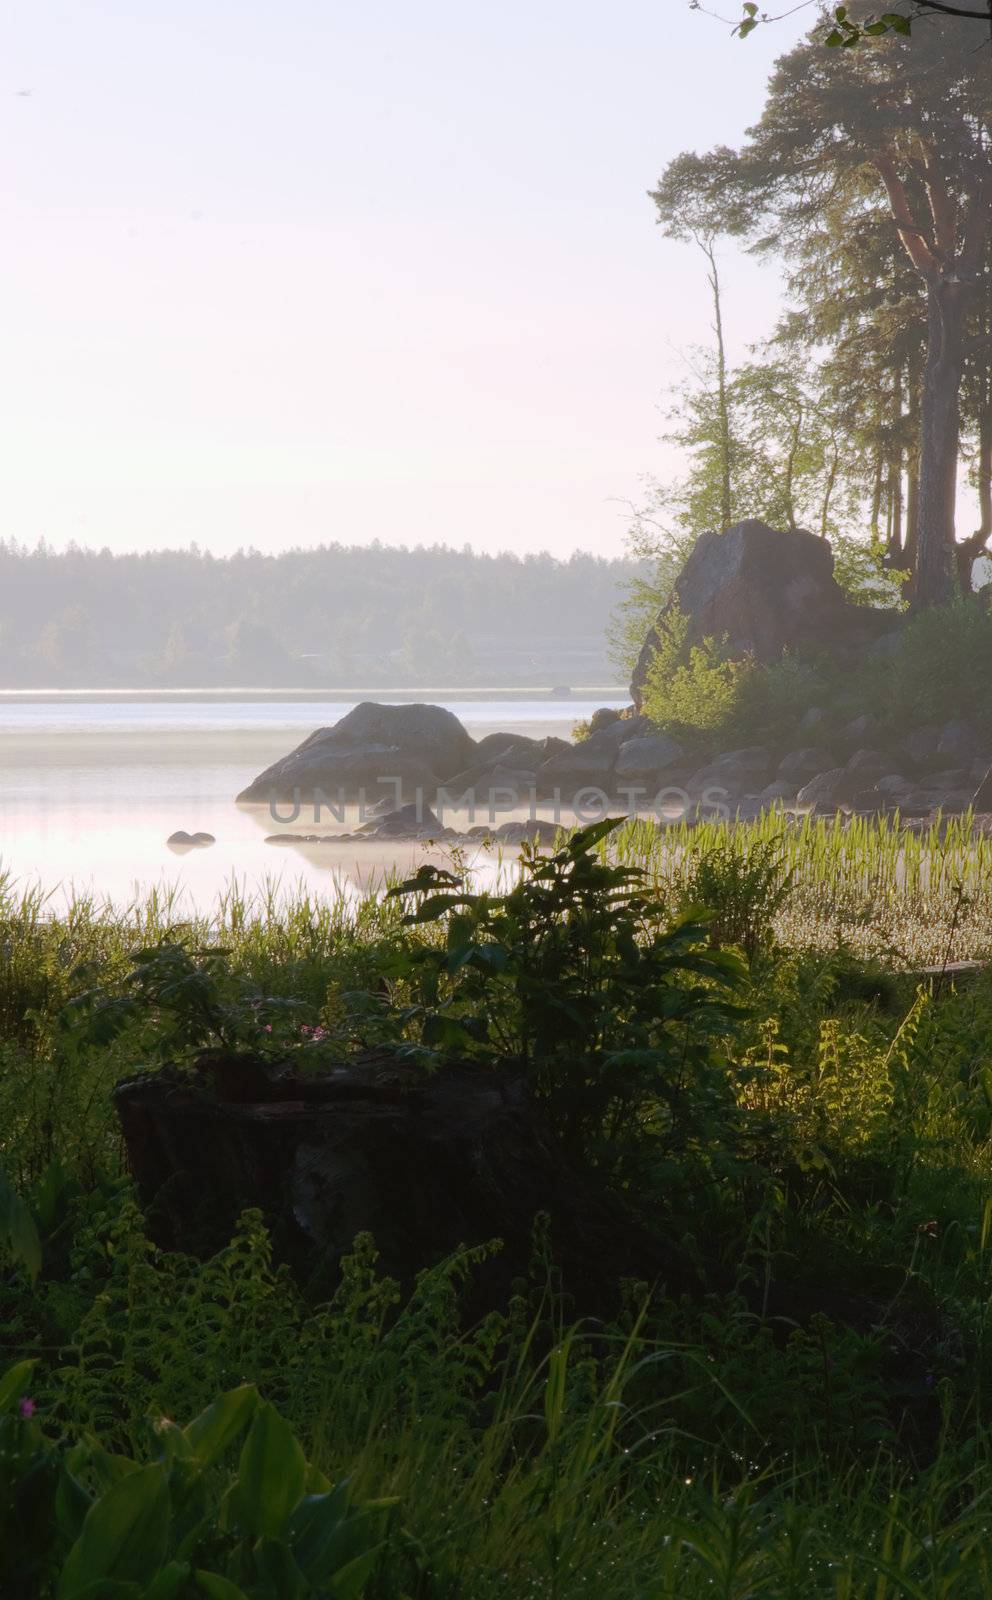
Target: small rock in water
406 822
203 839
181 840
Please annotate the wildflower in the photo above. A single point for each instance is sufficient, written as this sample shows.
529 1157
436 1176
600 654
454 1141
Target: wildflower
27 1408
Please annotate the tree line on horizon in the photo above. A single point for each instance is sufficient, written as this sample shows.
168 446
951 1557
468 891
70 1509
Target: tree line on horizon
337 615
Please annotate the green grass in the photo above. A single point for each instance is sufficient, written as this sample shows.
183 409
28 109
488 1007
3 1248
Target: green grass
812 1417
918 897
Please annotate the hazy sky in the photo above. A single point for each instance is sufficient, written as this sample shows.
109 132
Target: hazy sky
296 271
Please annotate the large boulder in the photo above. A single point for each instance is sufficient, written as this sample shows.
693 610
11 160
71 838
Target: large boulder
517 750
959 740
648 756
830 790
764 592
374 750
499 787
805 763
736 771
590 763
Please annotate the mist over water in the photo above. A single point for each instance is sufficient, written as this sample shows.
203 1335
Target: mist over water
91 789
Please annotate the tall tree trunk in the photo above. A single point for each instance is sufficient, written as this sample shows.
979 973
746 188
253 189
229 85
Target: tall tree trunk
829 486
913 473
894 546
788 486
876 496
970 549
940 428
723 397
947 258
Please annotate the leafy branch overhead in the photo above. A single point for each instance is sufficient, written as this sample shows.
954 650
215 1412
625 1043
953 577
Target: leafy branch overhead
842 31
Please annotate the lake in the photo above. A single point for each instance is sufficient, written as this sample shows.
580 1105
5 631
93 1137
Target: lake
92 785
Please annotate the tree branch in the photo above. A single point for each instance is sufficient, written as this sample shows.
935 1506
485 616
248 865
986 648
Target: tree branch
953 11
912 235
943 207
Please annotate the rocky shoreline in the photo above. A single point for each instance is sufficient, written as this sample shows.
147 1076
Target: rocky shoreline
407 767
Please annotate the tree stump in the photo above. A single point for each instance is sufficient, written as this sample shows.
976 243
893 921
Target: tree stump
423 1162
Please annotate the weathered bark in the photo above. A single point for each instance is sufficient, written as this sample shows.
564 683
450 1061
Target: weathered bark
940 423
912 507
948 270
895 553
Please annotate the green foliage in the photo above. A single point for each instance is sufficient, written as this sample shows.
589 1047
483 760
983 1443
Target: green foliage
744 888
180 1000
844 32
80 1521
18 1232
938 669
636 614
620 1021
802 1414
693 688
935 668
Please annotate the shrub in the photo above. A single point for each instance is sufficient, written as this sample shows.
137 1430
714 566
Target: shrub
743 886
695 687
621 1021
940 668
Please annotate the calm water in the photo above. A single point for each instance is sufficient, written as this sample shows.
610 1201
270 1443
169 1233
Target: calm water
91 788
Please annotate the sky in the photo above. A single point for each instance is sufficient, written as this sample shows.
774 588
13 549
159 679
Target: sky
284 274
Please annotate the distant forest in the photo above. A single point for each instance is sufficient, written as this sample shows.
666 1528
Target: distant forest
339 615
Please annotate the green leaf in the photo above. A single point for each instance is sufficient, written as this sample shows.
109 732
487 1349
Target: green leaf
586 838
350 1583
123 1535
210 1434
17 1230
14 1383
72 1502
219 1588
168 1582
746 27
277 1569
318 1533
750 8
833 39
109 1589
271 1475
